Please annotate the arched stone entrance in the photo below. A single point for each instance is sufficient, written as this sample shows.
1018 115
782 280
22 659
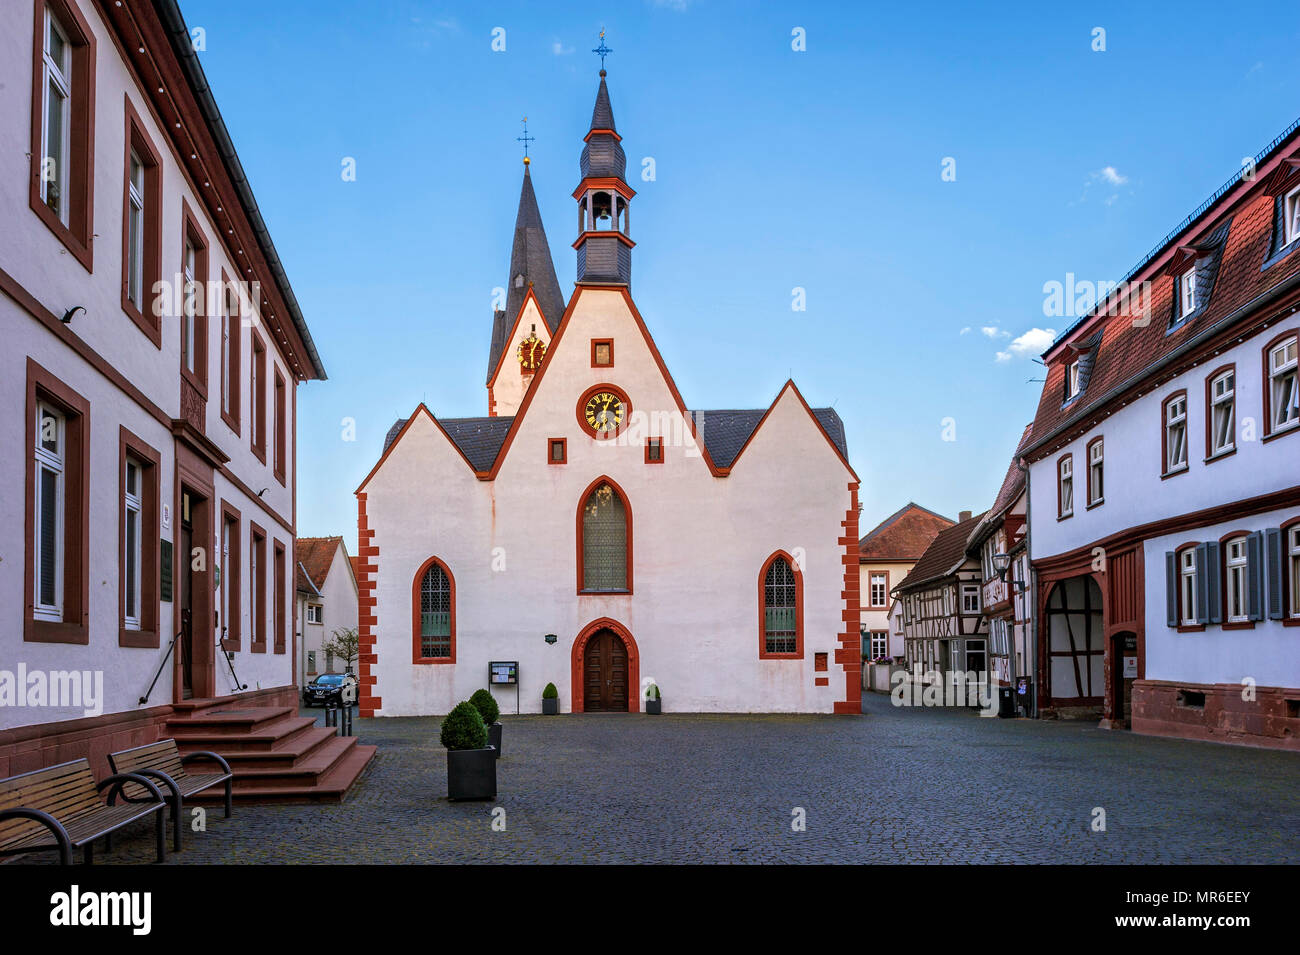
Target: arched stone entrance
606 669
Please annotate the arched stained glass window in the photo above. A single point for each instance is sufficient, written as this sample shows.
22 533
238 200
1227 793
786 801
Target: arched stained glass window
604 541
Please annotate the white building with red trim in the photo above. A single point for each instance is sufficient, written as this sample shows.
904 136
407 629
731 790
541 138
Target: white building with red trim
1164 486
593 530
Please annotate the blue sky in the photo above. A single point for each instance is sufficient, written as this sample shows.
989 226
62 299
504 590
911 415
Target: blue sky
775 169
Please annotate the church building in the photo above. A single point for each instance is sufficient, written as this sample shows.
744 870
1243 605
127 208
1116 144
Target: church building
592 532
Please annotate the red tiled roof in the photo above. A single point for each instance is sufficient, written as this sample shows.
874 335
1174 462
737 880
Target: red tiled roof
903 535
945 552
1127 350
314 556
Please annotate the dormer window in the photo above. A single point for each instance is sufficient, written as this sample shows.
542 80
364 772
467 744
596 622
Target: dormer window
1187 292
1292 221
1072 379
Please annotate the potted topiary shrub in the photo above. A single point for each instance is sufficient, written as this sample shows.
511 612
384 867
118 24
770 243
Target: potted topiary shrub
487 708
550 700
653 702
471 761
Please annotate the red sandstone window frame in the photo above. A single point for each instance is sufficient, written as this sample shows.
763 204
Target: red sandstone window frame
627 538
150 461
280 567
232 385
1094 499
1211 455
74 628
763 653
417 584
257 586
656 444
1165 470
602 341
1061 513
1270 433
146 316
257 396
551 445
1181 623
77 234
1228 623
230 575
281 422
1288 577
192 235
871 593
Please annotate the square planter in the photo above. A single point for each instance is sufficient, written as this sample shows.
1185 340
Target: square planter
472 773
494 738
550 707
654 707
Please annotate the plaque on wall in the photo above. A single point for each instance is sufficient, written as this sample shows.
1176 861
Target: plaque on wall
165 570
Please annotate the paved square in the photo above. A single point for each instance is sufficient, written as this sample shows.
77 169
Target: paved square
892 786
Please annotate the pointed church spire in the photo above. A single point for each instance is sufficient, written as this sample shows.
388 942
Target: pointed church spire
603 245
530 265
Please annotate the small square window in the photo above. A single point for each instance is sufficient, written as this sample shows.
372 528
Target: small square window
819 662
557 451
315 613
602 353
654 450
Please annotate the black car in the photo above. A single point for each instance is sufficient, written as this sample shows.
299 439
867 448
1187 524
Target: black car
330 688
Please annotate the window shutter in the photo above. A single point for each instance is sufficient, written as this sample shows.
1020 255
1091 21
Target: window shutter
1171 588
1273 540
1255 576
1210 583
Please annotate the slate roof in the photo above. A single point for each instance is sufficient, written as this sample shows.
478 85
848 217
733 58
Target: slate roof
724 433
530 261
313 556
903 535
1128 352
602 114
946 551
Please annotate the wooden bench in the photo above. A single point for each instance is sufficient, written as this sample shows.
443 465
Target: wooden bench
60 808
163 761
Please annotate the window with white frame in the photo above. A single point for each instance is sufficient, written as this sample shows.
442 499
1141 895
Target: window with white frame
1187 583
56 118
50 463
189 308
1222 412
1071 380
970 598
315 613
1293 558
135 233
227 526
878 588
1237 579
999 641
1065 484
1176 434
1284 400
1291 208
1187 291
879 644
1096 490
132 545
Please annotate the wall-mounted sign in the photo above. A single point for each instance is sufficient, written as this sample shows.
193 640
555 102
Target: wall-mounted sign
1130 668
165 570
551 638
504 673
1022 686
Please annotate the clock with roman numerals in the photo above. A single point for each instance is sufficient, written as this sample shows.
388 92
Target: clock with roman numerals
603 411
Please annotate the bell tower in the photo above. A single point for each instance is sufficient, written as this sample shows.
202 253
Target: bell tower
603 245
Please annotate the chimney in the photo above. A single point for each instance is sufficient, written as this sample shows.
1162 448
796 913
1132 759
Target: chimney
963 517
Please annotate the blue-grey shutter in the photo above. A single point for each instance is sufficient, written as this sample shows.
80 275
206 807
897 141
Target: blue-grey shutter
1255 576
1171 588
1209 575
1273 547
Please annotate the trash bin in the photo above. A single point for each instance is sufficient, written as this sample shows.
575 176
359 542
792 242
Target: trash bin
1006 701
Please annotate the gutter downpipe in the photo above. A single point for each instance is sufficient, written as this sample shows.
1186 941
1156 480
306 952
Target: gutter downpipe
1031 592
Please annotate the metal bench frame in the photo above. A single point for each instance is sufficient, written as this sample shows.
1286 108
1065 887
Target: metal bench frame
175 798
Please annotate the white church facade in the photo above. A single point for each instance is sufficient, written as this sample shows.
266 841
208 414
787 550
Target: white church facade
594 531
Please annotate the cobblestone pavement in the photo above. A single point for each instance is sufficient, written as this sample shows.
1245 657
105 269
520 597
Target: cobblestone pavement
892 786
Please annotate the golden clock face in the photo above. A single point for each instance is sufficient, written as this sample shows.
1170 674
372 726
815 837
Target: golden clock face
531 351
604 412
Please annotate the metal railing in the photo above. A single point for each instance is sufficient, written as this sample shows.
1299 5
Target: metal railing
171 649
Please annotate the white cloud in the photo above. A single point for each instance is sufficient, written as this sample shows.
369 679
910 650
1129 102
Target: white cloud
964 331
1111 175
992 331
559 49
1029 345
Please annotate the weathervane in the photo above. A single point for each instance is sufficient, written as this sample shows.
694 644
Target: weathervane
603 51
525 139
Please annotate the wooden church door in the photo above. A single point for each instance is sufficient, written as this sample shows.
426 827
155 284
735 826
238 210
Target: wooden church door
605 660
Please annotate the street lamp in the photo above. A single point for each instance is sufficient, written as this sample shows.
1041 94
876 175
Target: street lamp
1002 563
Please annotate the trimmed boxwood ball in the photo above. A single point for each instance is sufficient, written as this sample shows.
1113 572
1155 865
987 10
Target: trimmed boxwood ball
463 728
486 705
550 693
652 692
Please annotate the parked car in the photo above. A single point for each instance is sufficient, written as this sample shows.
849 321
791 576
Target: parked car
330 688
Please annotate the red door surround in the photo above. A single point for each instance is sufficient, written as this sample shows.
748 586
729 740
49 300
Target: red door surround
578 664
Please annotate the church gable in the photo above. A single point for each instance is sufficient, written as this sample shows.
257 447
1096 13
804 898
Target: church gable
522 352
423 446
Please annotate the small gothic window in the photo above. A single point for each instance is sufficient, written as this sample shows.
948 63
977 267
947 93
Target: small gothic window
780 608
604 541
435 613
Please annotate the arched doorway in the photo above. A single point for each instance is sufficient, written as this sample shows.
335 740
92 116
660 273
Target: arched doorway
606 669
1075 648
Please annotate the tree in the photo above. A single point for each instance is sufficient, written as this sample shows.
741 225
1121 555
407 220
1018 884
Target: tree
345 645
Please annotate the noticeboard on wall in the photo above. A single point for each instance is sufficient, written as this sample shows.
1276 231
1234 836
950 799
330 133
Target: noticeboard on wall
503 672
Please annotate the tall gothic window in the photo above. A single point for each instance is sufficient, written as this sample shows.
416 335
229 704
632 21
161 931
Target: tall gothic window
435 609
605 541
780 608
